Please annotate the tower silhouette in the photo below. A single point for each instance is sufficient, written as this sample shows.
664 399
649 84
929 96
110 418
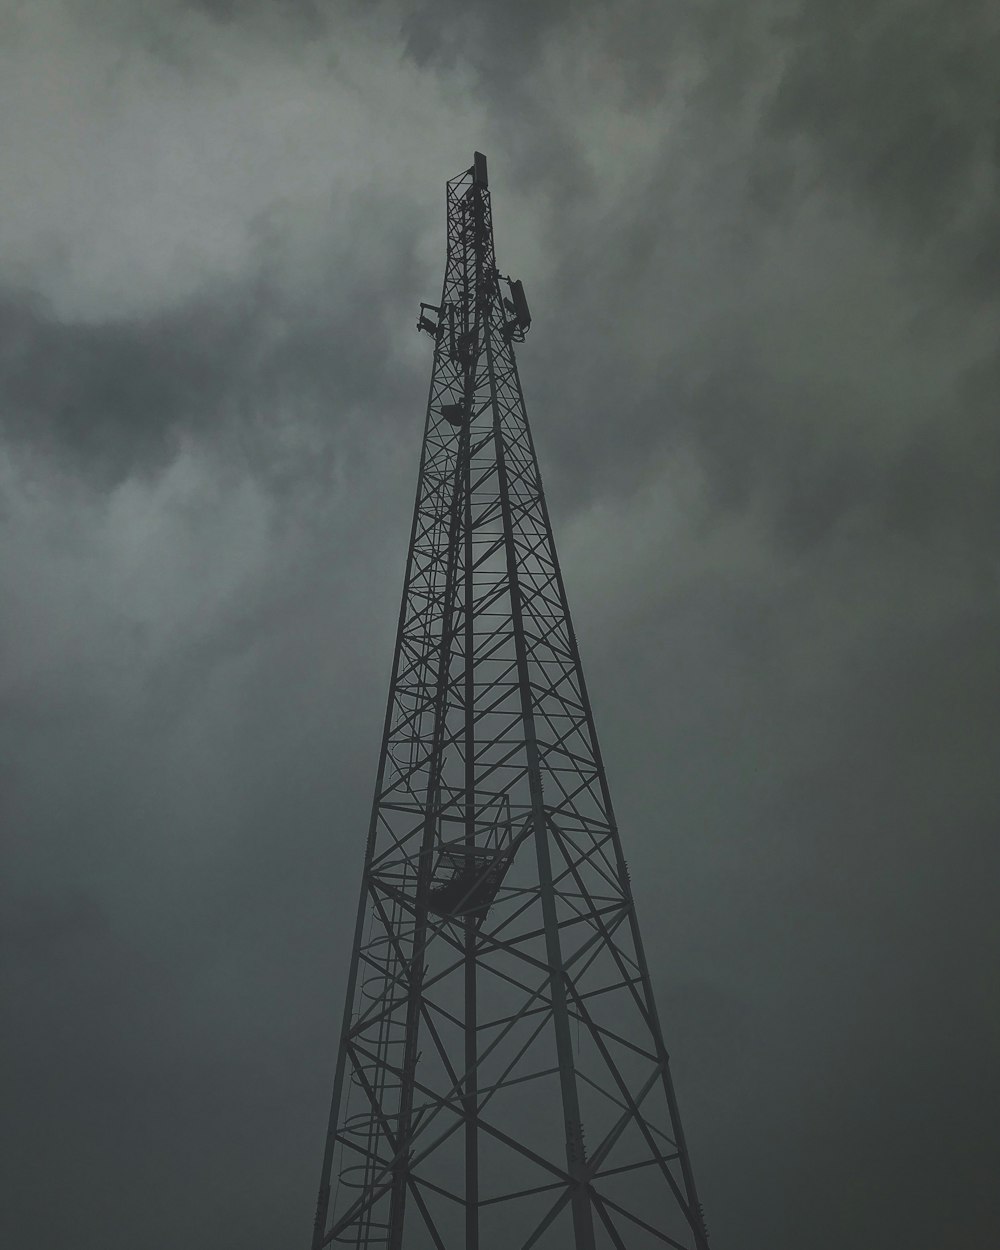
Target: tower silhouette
499 1002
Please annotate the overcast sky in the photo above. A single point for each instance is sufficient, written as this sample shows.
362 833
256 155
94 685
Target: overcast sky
761 244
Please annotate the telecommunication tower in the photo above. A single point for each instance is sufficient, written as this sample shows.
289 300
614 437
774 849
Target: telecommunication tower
501 1079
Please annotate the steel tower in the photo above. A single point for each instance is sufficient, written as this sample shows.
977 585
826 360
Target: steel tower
499 1003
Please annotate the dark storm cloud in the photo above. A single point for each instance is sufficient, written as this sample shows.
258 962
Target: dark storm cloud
895 100
117 396
806 447
805 70
115 393
901 100
794 113
759 243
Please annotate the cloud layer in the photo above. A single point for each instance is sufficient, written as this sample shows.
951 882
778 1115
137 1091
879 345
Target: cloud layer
760 247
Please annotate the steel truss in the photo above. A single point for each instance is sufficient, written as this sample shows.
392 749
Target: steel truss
499 999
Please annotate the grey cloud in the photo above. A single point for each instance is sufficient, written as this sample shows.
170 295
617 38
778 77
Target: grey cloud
113 393
119 395
899 97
